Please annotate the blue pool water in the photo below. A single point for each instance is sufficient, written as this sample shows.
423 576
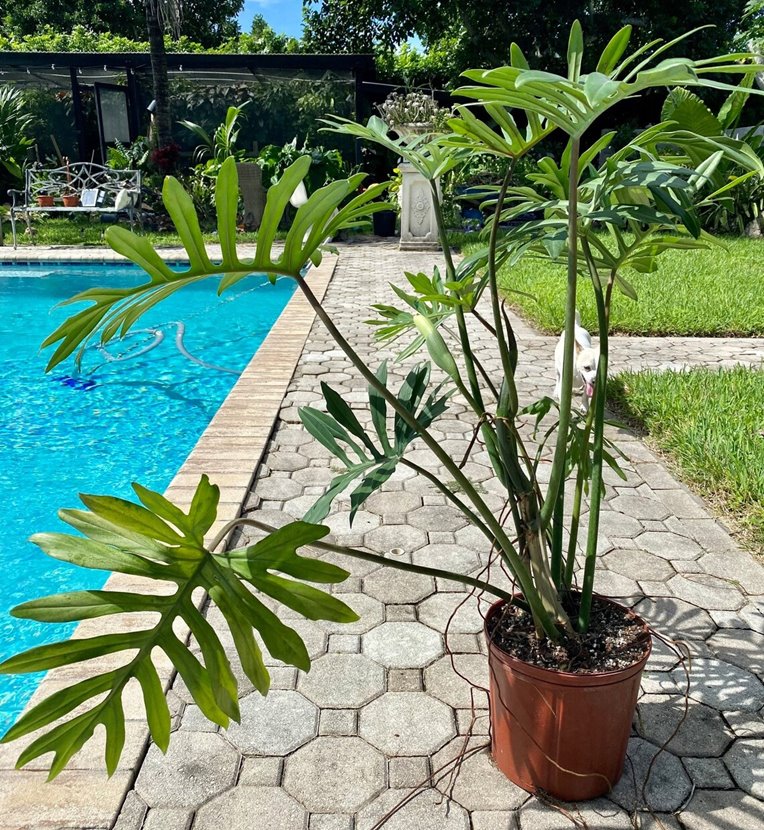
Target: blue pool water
98 431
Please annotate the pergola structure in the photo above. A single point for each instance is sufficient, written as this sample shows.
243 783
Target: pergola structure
117 75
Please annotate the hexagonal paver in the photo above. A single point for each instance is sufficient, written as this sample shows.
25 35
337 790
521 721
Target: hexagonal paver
406 723
334 775
402 645
707 592
702 732
448 557
668 545
742 647
737 566
462 610
723 686
389 537
434 517
197 766
442 682
639 507
428 811
745 761
398 587
730 810
273 725
342 681
246 807
612 584
481 786
370 614
278 488
668 784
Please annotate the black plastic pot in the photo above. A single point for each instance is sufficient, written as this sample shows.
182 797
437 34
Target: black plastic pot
384 223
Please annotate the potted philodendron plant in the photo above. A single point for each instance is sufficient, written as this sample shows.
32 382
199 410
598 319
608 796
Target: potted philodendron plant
557 725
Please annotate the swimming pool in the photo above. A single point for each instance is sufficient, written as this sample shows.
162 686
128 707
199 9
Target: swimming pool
133 414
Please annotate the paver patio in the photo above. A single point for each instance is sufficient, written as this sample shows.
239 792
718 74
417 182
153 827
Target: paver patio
386 707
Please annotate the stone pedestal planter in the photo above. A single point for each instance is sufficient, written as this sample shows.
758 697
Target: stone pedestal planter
419 231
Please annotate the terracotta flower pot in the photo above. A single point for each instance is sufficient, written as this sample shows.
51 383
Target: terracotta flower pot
45 201
71 200
559 732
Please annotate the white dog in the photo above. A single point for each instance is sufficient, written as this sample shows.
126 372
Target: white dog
585 366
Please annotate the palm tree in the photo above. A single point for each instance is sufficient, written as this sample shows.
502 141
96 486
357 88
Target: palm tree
161 16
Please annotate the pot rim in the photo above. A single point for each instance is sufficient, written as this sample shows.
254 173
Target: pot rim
565 677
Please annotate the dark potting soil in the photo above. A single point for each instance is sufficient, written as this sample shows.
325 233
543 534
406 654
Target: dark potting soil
615 640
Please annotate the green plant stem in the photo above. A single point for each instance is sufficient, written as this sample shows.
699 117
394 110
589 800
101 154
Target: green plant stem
566 394
595 492
507 550
575 518
399 564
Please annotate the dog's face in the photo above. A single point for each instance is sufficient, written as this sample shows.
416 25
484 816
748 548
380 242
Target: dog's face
586 367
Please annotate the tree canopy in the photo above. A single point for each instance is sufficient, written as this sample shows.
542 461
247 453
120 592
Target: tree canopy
208 22
479 34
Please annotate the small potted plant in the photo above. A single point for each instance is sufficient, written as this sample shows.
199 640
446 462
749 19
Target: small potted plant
413 114
44 198
70 197
564 662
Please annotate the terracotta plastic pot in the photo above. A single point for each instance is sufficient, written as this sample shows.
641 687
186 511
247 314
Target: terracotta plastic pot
563 733
45 201
72 200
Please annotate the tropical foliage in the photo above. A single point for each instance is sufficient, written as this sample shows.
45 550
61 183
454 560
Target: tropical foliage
646 201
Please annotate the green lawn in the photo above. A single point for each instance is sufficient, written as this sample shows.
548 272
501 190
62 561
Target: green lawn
86 231
714 292
711 424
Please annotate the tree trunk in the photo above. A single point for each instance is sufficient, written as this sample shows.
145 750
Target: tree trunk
162 122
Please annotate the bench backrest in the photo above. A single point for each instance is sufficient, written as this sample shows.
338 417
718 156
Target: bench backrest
79 176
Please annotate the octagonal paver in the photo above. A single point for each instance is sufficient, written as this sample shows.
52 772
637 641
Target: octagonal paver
668 545
246 807
638 564
742 647
676 618
707 592
342 681
406 723
437 517
363 522
392 503
370 614
334 775
390 537
599 814
462 610
428 811
618 526
722 685
448 557
723 810
745 761
668 784
481 786
197 766
442 682
639 507
402 645
702 733
398 587
273 725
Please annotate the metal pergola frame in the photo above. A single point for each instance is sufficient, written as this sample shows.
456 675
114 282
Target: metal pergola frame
360 67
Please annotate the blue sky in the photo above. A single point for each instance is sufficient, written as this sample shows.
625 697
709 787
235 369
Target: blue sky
285 16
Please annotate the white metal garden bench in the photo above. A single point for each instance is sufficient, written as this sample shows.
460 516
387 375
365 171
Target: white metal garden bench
99 190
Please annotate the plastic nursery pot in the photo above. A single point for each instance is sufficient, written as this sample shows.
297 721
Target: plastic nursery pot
384 223
559 732
45 201
71 200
